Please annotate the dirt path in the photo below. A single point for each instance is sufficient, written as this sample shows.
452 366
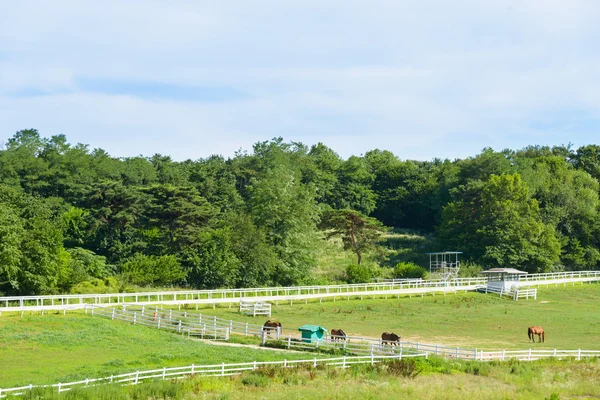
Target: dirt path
221 343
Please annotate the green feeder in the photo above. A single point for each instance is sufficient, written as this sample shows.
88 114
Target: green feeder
312 333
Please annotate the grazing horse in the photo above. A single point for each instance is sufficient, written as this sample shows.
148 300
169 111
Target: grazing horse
271 325
536 330
390 338
338 334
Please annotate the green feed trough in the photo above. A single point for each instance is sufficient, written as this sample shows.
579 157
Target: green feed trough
312 333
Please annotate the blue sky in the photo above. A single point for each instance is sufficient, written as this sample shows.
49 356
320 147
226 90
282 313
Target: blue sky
422 79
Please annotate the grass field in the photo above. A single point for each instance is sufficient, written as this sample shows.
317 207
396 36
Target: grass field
570 316
61 348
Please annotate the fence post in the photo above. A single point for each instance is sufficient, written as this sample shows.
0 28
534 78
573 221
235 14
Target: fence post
529 357
58 387
315 362
344 362
134 318
246 330
262 336
289 342
579 355
137 376
457 352
158 323
475 357
278 332
503 354
223 369
227 333
436 349
179 326
254 366
554 352
113 313
284 363
164 373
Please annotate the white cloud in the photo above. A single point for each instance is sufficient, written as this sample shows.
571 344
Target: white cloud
420 78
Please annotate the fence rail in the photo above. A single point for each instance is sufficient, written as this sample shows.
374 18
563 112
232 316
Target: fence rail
254 308
393 287
515 293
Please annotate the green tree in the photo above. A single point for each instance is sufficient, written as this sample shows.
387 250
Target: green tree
497 223
146 270
212 263
287 212
359 233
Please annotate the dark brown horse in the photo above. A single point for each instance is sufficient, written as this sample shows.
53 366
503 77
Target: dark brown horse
271 325
536 330
338 334
390 338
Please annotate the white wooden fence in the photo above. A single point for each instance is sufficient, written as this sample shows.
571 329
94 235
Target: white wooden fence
276 294
515 293
254 308
223 369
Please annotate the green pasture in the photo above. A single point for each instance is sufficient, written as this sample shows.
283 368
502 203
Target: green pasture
61 348
570 316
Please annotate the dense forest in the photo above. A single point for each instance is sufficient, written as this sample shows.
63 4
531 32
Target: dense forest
77 219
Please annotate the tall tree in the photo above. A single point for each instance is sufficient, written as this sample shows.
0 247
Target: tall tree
359 233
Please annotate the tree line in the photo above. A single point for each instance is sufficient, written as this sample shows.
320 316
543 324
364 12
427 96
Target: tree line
75 218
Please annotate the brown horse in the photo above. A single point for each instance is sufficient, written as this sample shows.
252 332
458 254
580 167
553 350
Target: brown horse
271 325
390 338
536 330
338 334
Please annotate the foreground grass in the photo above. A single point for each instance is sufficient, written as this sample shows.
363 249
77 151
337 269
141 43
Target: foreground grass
420 379
568 314
37 349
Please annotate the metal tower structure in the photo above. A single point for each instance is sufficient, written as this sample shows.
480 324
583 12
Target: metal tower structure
445 264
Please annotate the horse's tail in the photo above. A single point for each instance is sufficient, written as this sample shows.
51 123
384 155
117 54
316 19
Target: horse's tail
543 336
529 333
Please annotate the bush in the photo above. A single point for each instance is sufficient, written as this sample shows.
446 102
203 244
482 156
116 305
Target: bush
257 380
360 273
152 270
408 270
470 270
407 368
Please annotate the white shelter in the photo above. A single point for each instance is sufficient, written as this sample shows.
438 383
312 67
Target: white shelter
503 278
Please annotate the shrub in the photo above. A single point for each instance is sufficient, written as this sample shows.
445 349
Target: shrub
407 368
360 273
470 270
255 380
407 270
152 270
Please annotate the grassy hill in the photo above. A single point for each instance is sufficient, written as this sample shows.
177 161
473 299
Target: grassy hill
48 349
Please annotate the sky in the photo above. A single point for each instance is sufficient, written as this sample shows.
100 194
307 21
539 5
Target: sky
192 78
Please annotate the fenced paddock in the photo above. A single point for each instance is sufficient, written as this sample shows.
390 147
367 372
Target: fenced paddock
198 325
276 294
254 308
